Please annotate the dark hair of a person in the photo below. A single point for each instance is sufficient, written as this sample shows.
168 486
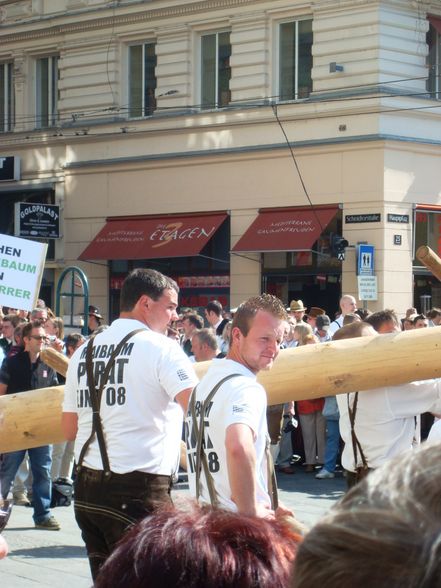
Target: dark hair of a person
433 313
73 339
27 329
351 331
363 313
202 547
419 317
379 318
214 306
386 531
194 319
247 311
143 281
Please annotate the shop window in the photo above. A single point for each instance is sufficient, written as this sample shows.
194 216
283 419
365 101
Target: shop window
295 59
142 80
47 91
6 98
434 62
215 70
427 231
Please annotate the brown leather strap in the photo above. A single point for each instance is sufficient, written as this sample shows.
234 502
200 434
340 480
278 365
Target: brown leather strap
355 442
95 399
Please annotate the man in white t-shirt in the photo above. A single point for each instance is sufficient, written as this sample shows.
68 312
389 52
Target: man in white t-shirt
141 411
236 435
348 304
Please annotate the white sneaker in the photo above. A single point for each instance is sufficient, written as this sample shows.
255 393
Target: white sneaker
324 475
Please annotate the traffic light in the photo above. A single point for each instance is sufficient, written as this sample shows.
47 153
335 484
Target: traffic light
338 246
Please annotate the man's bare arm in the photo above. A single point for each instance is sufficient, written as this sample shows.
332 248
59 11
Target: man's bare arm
3 389
69 425
183 397
241 463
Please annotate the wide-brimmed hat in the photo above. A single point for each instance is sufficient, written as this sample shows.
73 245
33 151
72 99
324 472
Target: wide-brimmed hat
296 306
315 312
94 311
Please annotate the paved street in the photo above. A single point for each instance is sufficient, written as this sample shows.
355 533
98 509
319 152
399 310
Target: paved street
51 558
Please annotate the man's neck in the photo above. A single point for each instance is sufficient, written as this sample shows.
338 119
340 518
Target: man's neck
33 356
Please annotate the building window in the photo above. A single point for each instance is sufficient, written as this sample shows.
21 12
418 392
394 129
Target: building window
47 91
434 63
142 80
295 59
6 98
215 70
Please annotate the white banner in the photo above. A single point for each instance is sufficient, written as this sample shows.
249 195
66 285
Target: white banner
21 271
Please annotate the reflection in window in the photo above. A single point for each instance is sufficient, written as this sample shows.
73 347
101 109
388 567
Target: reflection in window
142 80
47 91
215 70
295 59
6 98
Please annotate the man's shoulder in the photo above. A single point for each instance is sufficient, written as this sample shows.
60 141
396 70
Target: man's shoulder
20 358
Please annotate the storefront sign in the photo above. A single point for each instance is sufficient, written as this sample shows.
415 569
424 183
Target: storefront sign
37 220
367 288
362 218
398 218
21 270
204 282
9 169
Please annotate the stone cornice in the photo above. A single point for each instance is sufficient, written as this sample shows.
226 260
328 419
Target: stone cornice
36 29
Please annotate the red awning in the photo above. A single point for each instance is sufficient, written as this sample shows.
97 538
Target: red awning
435 21
286 229
153 237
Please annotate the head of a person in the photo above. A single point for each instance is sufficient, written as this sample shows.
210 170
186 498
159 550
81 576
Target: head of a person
297 309
10 321
94 318
363 313
34 337
386 531
384 321
73 341
434 315
411 311
200 547
151 297
420 321
213 312
204 345
226 333
348 304
54 327
18 335
289 329
312 315
39 314
408 323
322 324
353 330
257 332
301 332
191 323
351 317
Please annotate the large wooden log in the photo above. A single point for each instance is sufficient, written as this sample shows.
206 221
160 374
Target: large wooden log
33 418
430 259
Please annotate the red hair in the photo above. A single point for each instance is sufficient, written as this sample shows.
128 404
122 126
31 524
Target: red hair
202 548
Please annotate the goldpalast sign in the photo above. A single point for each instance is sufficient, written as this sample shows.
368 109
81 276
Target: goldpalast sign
41 221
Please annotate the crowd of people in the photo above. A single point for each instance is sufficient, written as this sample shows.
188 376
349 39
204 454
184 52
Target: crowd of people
129 388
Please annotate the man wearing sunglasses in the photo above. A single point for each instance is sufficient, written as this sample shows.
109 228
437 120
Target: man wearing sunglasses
20 373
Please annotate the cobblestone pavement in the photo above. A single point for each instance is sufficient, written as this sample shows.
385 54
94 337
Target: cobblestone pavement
58 558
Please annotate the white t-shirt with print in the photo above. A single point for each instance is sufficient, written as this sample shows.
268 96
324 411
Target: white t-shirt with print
239 400
142 422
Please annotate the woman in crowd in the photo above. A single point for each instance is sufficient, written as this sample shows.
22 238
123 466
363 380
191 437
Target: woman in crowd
202 547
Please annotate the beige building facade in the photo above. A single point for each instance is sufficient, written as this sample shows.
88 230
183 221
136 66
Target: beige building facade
164 110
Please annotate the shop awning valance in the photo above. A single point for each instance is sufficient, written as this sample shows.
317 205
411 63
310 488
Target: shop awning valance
153 237
285 229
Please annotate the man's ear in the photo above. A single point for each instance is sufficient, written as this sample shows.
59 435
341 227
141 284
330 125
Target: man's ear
236 334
